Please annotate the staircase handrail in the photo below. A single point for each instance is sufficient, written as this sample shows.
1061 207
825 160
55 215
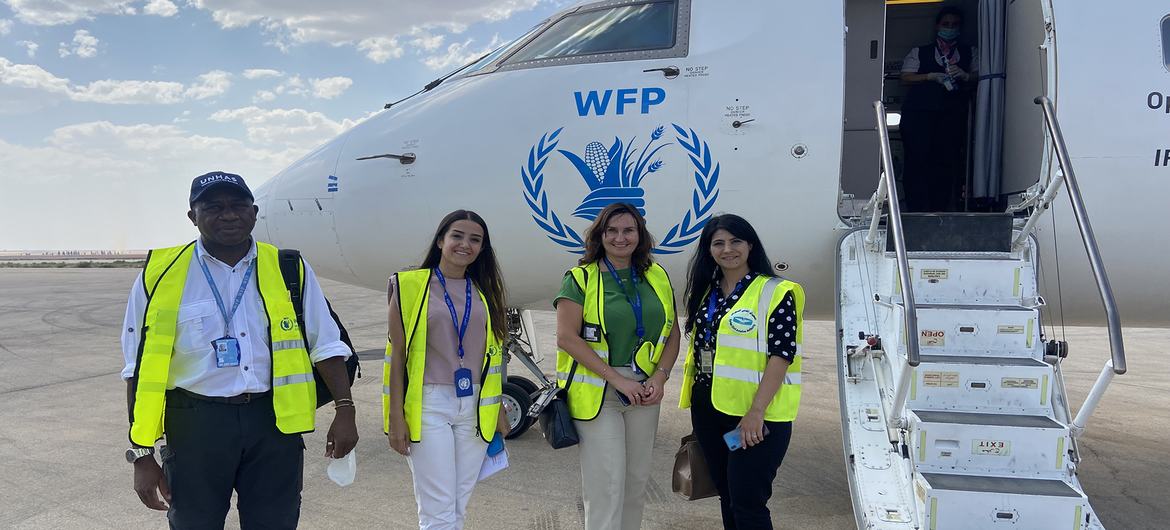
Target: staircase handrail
1113 319
888 190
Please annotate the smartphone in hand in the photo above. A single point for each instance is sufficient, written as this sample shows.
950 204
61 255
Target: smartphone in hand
734 438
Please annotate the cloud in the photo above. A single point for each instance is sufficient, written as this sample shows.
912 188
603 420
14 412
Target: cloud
31 76
162 8
459 54
109 91
129 181
380 49
260 73
30 47
5 26
292 86
84 45
424 40
212 84
59 12
129 92
263 96
330 87
284 127
366 24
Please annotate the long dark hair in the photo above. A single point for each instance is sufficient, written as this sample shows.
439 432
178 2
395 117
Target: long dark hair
484 271
701 272
594 250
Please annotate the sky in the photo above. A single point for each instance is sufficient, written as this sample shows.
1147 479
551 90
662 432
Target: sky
109 108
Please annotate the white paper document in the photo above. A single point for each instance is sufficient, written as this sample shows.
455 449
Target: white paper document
493 464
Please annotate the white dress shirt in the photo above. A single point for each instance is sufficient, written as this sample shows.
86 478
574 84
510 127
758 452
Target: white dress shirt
193 366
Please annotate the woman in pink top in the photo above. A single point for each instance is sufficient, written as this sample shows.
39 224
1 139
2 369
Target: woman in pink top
458 289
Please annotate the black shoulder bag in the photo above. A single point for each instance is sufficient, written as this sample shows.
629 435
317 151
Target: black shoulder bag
555 420
290 269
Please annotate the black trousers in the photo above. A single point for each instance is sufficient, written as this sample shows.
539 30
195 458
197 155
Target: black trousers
213 448
744 477
935 167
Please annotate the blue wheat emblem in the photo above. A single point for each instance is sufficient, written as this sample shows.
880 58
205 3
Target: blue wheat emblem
613 175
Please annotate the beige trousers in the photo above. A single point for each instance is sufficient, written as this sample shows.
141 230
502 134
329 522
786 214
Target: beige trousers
616 451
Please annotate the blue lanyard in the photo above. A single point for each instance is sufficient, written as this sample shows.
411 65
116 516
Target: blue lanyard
227 317
711 310
461 330
636 302
710 317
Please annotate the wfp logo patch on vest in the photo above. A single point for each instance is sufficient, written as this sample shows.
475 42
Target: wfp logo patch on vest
742 321
616 174
288 324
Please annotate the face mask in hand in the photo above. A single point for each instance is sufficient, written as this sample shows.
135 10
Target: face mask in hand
948 34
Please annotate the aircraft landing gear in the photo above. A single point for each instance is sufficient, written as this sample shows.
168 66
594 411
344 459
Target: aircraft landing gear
522 398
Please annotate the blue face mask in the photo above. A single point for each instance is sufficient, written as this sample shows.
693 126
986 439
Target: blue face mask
948 34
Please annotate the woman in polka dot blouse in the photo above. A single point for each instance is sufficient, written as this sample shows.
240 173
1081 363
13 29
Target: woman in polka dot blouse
735 382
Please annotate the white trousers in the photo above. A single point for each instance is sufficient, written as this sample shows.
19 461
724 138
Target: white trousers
616 450
445 463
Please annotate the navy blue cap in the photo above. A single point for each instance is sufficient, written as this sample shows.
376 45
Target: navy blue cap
215 179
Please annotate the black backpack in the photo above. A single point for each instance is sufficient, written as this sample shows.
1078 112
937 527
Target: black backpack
290 269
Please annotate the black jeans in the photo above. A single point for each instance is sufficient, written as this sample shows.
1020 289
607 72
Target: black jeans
213 448
744 477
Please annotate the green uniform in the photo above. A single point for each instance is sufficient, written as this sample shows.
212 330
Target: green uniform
619 315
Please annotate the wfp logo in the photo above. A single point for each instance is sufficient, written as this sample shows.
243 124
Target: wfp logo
616 174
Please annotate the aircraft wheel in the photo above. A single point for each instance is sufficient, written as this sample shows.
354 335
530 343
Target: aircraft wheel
524 383
516 403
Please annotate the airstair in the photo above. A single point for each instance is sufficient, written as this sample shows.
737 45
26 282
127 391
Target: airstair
954 412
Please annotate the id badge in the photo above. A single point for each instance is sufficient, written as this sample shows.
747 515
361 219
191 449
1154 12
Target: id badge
591 333
706 361
227 352
463 382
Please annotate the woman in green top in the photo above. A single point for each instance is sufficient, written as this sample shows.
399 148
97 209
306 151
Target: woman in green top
618 339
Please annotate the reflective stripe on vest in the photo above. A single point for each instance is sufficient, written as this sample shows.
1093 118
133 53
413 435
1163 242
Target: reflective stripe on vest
294 392
742 356
413 294
588 388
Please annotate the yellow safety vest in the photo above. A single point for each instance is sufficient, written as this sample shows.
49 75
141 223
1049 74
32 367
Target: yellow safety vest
413 295
294 392
741 353
588 388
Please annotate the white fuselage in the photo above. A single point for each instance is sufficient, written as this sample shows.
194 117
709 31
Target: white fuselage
478 145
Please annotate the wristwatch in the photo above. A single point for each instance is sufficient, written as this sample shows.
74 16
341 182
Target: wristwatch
134 453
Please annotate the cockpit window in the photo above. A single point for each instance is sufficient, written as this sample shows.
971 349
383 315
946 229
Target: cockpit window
499 52
626 28
609 31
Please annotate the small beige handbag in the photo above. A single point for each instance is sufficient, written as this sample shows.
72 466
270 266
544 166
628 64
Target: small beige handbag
692 480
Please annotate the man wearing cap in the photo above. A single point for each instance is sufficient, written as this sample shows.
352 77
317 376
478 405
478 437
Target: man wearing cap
216 361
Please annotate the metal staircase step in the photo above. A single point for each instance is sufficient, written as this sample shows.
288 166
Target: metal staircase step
1004 444
969 279
1014 385
995 361
956 232
951 501
970 330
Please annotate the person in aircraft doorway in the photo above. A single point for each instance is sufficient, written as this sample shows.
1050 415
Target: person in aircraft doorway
216 361
941 77
742 370
444 377
617 340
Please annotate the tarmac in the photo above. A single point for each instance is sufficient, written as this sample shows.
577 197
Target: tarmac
63 429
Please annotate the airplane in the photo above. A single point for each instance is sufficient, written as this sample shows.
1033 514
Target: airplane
690 108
